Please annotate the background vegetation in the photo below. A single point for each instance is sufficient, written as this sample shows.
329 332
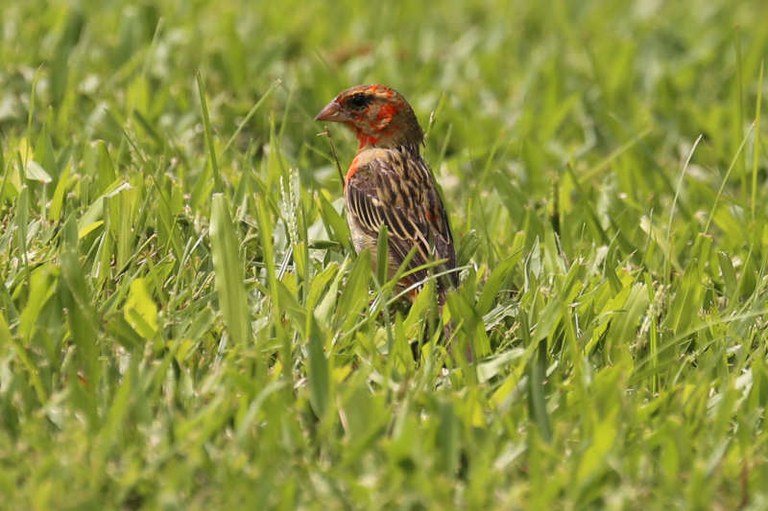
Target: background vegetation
183 323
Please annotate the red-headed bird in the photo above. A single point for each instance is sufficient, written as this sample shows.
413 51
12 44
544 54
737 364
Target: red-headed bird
389 184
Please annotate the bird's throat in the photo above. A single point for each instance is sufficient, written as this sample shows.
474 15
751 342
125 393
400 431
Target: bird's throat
365 140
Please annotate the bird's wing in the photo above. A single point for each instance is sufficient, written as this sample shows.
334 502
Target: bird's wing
400 192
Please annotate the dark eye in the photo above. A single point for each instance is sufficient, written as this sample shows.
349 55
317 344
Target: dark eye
358 101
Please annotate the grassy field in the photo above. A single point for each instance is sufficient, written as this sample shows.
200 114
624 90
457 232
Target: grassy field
184 324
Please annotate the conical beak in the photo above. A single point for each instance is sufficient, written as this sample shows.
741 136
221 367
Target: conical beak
332 112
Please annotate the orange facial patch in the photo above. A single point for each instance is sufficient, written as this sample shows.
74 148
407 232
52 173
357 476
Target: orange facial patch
363 139
384 117
386 112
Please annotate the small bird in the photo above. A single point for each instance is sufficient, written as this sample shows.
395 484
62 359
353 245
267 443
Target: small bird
389 184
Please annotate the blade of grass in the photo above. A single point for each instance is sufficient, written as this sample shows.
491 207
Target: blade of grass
228 269
209 142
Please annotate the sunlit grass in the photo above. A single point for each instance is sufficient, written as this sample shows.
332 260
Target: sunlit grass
184 324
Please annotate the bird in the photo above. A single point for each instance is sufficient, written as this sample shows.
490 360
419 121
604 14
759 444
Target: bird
388 184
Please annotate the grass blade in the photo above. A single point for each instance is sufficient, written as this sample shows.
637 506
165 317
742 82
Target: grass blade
228 270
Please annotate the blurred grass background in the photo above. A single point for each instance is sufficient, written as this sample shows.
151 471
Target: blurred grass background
183 323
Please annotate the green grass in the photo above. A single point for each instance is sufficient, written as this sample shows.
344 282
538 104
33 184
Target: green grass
184 324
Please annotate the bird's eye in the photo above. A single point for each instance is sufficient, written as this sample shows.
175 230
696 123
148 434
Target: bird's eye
358 101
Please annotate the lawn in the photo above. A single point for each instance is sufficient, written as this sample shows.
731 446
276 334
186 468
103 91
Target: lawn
184 323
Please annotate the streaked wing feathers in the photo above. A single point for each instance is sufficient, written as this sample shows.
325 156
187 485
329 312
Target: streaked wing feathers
397 189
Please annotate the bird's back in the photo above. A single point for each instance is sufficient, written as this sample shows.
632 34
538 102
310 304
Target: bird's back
394 187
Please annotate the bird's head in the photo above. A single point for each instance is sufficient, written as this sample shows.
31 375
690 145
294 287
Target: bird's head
379 116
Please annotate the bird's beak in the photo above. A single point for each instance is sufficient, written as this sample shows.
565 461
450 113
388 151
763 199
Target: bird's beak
332 113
